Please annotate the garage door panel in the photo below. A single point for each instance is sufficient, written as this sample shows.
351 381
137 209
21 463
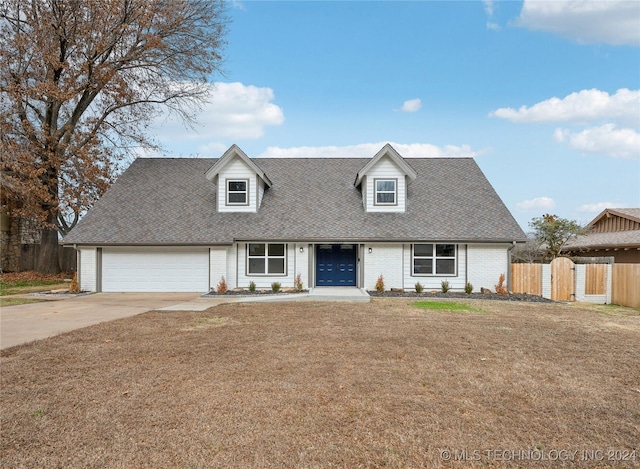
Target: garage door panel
155 270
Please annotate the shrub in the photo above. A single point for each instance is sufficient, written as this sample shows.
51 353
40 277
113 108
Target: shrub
275 287
222 286
444 286
74 286
298 282
500 288
419 287
380 284
468 288
252 286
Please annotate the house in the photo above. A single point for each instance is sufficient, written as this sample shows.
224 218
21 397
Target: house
613 233
182 224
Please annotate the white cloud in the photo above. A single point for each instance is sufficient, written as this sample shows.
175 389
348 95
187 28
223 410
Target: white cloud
536 204
598 207
605 140
212 149
489 6
235 111
368 150
580 107
585 21
412 105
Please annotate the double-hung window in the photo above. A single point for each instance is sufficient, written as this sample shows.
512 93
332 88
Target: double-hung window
434 259
266 259
385 191
237 192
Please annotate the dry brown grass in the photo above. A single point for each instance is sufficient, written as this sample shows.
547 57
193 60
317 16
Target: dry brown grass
309 385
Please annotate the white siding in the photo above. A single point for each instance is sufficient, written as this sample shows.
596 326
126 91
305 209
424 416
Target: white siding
302 263
218 267
88 268
235 170
260 191
385 168
434 282
485 264
232 267
385 260
264 281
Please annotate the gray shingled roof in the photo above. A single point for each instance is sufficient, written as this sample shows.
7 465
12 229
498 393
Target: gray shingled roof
601 240
169 201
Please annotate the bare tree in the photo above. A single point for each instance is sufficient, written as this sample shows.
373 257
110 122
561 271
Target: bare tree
528 252
80 81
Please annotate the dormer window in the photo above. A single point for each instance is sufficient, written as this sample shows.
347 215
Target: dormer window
237 192
385 191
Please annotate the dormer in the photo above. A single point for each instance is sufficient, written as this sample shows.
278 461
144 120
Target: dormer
384 180
240 182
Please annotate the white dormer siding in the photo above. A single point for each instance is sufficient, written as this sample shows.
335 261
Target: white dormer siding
237 170
241 183
384 170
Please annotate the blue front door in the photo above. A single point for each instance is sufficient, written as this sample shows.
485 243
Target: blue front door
336 265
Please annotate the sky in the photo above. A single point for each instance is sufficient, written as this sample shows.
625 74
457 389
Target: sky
544 95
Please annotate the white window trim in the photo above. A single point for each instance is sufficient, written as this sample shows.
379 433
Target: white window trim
394 192
245 192
266 258
434 257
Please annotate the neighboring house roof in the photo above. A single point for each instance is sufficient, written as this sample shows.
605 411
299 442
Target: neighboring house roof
604 240
169 201
628 213
621 232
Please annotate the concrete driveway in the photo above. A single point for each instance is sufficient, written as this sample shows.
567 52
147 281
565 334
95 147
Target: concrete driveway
25 323
34 321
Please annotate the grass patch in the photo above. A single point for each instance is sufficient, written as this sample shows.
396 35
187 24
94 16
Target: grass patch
30 282
202 324
4 302
30 287
446 306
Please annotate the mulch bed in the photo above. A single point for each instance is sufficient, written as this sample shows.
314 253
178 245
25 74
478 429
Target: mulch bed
254 293
463 296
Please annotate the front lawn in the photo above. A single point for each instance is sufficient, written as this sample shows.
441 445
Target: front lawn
384 384
30 282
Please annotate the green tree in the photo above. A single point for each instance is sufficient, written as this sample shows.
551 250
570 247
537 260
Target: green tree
80 80
553 232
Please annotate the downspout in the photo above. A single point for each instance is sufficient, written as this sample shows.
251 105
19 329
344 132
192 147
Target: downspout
513 245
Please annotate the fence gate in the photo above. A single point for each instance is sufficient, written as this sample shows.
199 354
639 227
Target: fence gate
562 282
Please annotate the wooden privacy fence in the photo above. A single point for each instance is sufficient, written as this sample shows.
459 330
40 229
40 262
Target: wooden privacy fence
526 278
562 280
29 255
626 285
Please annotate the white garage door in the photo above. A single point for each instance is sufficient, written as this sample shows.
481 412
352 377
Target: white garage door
155 270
